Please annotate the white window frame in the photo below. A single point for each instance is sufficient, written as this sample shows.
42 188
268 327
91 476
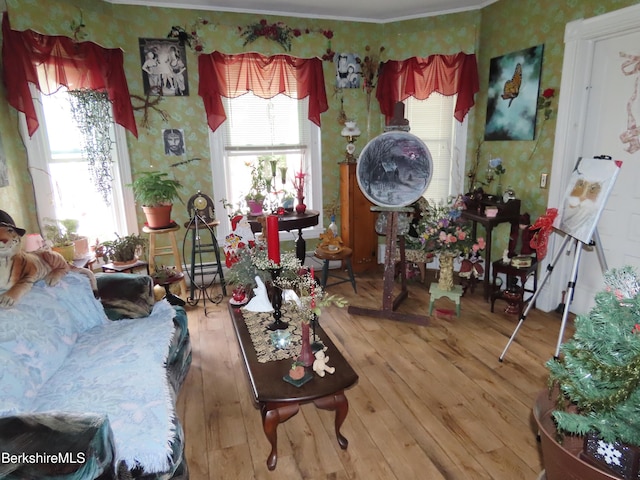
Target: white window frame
221 174
39 154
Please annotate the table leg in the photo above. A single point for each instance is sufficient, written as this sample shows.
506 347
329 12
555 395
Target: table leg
339 403
274 414
301 247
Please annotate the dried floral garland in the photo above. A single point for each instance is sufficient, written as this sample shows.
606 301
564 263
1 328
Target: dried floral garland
91 111
189 36
278 32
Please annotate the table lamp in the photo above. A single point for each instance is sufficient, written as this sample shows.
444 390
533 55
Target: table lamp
351 132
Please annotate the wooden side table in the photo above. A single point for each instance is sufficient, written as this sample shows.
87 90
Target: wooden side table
435 293
172 249
166 283
112 267
507 213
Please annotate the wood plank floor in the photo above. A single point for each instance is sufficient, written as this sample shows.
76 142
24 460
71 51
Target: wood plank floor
432 402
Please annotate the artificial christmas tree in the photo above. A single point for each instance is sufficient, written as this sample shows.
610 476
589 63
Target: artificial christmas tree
598 377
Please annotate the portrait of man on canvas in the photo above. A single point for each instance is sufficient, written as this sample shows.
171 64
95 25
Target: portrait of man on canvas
589 187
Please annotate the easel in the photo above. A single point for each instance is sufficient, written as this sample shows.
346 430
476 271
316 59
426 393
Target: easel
578 246
389 303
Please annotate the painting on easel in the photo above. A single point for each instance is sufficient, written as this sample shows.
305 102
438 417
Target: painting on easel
589 188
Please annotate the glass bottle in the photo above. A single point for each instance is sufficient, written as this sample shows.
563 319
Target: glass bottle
333 227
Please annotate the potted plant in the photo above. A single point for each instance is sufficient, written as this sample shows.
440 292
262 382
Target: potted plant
123 250
260 184
156 192
62 235
596 382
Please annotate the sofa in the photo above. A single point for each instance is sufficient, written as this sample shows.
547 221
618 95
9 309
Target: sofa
88 385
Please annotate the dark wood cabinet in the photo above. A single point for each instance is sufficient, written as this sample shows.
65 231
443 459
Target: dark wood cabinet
357 221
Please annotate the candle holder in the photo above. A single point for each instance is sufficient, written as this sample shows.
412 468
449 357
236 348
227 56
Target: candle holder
276 302
317 345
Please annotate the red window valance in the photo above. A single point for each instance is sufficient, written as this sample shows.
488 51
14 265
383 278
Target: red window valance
419 77
62 61
234 75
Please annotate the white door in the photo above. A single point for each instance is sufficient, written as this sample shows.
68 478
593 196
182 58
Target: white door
598 115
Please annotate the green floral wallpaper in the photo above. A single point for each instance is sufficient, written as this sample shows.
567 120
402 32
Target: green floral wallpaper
502 27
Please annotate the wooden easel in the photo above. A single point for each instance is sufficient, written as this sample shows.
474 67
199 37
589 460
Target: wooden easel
389 303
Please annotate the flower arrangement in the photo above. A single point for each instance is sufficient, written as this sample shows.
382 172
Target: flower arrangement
254 261
278 32
443 230
370 67
191 37
544 102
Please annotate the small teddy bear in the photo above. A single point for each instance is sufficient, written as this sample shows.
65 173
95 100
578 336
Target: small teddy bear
320 363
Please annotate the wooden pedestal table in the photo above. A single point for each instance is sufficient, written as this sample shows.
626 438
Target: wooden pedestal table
288 222
389 303
278 400
166 282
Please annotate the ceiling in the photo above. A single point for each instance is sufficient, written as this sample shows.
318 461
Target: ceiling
374 11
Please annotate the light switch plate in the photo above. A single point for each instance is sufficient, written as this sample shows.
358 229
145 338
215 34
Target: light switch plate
543 180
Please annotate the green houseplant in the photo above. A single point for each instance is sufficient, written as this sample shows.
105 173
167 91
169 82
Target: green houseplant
62 234
156 192
123 250
596 382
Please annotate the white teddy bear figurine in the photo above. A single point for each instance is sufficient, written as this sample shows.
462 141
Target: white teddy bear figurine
320 363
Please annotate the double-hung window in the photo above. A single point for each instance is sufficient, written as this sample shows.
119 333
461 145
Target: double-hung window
277 128
432 121
63 186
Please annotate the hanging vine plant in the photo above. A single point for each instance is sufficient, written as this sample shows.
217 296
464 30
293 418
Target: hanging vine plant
91 111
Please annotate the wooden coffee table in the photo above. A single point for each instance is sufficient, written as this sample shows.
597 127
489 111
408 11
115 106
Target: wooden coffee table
278 400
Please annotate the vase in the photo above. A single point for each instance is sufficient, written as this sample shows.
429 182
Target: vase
445 282
306 353
301 207
255 208
564 460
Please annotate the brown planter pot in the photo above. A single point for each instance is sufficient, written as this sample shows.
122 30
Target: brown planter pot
158 217
561 462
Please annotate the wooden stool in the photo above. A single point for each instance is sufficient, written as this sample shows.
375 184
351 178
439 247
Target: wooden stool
155 251
435 293
343 255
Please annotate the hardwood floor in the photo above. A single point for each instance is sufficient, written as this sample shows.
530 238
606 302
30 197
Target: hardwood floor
432 402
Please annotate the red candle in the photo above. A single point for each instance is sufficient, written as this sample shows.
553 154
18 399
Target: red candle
273 239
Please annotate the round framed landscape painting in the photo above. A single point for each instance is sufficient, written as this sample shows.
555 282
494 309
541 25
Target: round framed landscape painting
394 169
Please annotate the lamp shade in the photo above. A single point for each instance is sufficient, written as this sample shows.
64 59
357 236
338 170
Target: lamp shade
350 130
33 242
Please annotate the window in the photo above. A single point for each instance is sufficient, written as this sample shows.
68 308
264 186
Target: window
432 121
277 127
62 183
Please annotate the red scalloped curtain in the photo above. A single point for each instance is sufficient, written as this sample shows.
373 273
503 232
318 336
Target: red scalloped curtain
234 75
420 76
62 61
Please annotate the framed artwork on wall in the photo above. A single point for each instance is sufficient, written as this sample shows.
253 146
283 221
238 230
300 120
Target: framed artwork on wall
514 81
164 67
348 71
173 139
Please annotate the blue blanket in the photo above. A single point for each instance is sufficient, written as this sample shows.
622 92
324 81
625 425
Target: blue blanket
108 368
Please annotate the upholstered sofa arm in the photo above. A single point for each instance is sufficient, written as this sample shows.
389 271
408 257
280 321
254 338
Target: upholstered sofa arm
72 447
125 295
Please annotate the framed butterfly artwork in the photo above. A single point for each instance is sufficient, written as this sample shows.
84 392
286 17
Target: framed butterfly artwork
514 81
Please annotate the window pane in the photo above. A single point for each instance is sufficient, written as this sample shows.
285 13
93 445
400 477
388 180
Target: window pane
74 193
432 121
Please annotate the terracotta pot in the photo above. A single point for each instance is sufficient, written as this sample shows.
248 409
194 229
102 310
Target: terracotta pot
561 462
158 217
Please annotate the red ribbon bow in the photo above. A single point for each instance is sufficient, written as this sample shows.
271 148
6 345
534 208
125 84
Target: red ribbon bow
544 226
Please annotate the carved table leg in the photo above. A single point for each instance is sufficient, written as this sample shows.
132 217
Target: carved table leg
272 415
339 403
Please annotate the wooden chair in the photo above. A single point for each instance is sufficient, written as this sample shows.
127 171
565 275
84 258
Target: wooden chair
519 248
